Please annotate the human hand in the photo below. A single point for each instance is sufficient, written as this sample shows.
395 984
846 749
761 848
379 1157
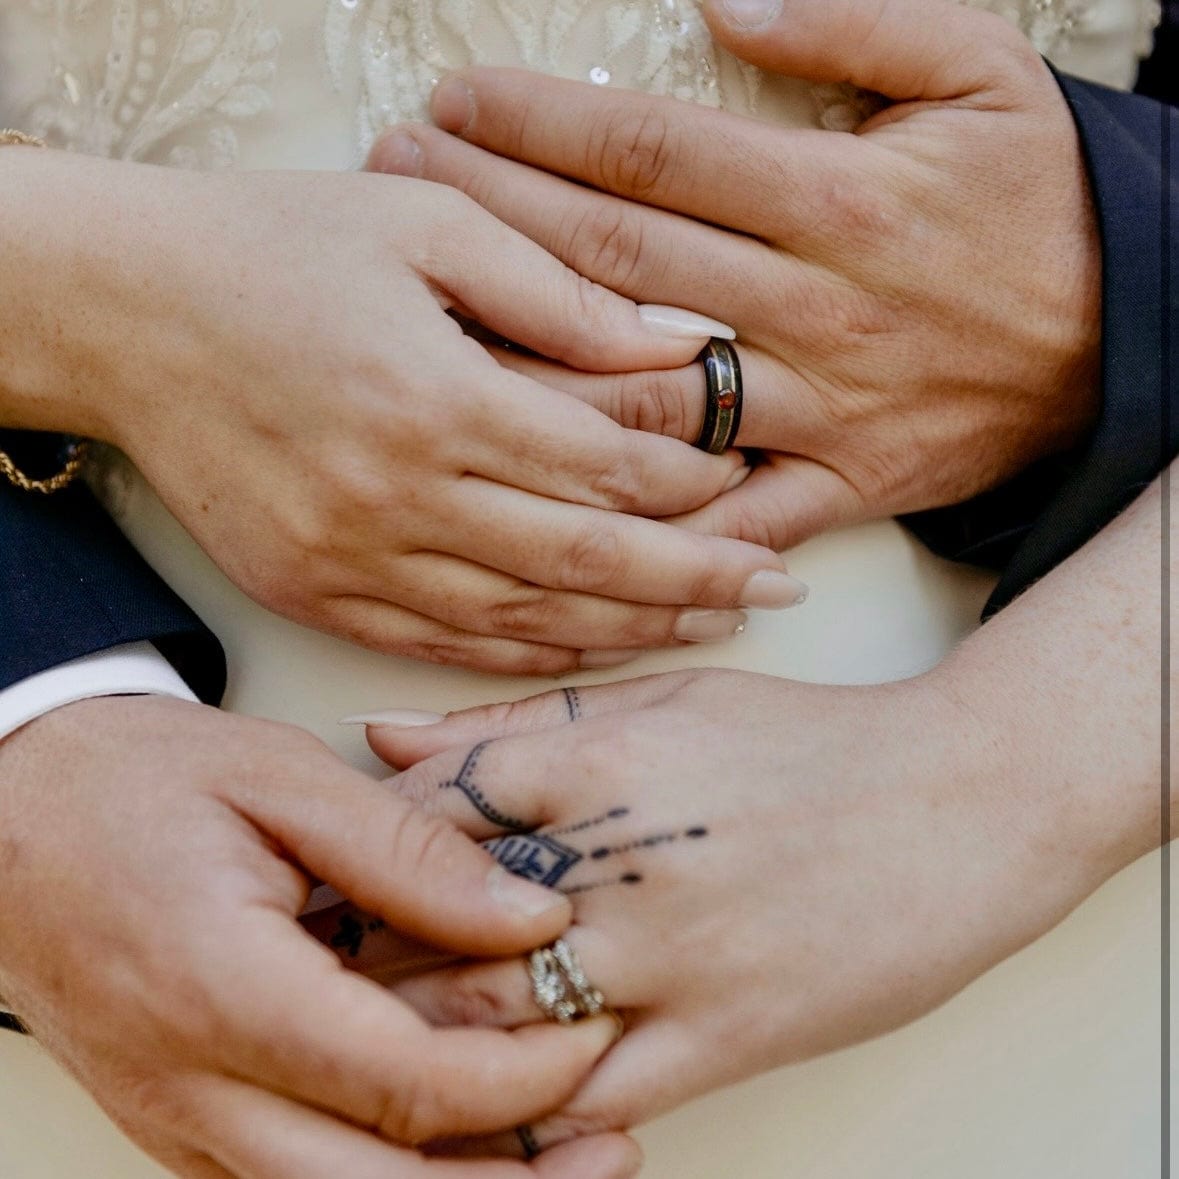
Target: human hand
917 303
274 353
760 870
153 858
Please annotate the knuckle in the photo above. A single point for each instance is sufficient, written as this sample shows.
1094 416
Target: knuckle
661 403
635 152
595 560
152 1103
527 611
618 485
406 1113
607 243
470 1003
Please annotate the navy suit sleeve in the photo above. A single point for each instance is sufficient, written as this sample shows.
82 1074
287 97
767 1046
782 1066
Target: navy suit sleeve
1028 526
71 585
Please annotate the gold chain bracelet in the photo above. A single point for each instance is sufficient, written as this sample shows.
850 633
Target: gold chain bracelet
76 448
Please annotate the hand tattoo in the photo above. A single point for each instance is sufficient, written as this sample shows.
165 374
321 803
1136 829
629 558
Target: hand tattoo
352 931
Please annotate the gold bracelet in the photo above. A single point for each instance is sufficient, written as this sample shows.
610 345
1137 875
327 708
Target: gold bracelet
76 448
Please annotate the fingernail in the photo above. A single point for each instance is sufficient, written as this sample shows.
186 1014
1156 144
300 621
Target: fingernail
752 14
709 626
395 718
608 658
400 155
770 589
452 105
683 325
737 478
520 896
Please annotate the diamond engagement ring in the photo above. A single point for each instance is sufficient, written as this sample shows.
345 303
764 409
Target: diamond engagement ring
559 985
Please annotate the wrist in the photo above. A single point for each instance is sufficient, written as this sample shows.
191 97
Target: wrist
59 290
1035 760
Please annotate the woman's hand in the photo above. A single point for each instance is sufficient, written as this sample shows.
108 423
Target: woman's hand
153 858
917 303
760 870
274 353
763 870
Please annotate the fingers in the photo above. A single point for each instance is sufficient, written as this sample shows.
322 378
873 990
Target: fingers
524 435
499 994
262 1136
780 411
640 252
650 149
783 502
401 739
647 149
413 871
577 548
397 630
512 286
462 594
377 1064
904 49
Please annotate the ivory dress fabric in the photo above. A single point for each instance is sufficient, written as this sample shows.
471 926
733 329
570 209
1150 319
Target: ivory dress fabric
307 84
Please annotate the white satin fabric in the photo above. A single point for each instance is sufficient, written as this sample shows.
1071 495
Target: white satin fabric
306 84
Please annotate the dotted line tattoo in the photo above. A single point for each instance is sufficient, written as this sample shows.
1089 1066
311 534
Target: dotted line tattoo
476 797
572 703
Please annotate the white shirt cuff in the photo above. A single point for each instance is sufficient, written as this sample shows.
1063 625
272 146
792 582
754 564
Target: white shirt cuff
134 669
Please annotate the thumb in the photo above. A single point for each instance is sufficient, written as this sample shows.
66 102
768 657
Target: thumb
415 871
783 502
904 49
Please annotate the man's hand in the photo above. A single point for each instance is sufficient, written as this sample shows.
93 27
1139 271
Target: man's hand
917 303
154 856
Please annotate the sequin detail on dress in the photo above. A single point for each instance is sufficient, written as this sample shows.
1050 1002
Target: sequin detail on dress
176 76
402 47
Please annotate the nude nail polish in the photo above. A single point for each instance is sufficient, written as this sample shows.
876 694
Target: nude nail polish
683 325
709 626
395 718
771 589
452 105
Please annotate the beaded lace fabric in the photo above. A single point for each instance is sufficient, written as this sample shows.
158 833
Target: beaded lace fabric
178 81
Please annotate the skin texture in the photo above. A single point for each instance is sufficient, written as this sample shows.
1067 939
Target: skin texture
189 1001
917 304
285 375
848 894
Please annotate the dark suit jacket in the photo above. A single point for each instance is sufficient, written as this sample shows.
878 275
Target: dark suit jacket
71 585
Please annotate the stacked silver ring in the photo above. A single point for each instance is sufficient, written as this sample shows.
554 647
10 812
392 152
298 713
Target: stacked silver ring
559 984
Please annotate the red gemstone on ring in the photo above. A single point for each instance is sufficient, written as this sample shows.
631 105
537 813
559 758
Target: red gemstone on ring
726 400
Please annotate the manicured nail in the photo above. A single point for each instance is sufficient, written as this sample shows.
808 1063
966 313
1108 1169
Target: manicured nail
607 658
400 155
452 105
395 718
769 589
752 14
737 478
519 895
681 324
709 626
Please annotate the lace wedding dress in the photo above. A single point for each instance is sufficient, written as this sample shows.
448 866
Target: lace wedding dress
308 84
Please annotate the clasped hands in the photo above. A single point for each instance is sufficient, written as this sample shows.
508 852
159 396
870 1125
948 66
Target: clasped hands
917 303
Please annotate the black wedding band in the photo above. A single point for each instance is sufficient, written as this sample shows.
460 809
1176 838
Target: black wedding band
722 404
